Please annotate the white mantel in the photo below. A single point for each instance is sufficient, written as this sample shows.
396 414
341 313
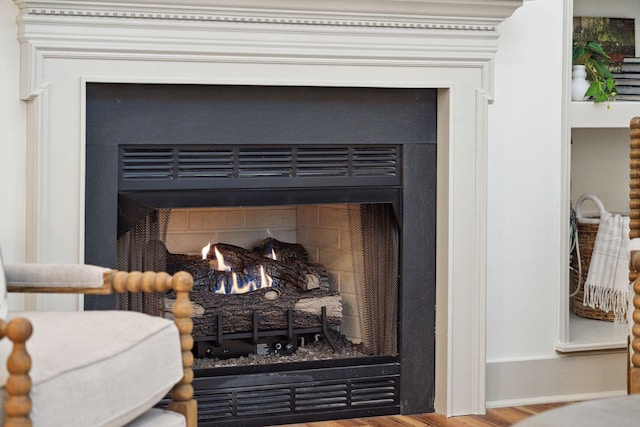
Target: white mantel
444 44
479 13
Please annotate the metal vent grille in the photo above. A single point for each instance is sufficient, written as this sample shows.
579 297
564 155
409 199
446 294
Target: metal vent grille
322 397
264 162
222 403
205 163
147 163
322 161
178 166
373 392
375 161
269 400
212 405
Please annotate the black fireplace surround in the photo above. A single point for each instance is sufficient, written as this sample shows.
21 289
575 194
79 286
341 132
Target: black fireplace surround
153 146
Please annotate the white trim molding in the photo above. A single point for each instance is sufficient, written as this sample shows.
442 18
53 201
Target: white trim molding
419 14
443 44
566 379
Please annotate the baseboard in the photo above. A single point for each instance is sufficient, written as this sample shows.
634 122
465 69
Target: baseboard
555 399
556 379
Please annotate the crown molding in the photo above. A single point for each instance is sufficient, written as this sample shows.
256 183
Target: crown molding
464 15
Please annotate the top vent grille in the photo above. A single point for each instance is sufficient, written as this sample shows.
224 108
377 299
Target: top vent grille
182 167
147 164
264 162
204 163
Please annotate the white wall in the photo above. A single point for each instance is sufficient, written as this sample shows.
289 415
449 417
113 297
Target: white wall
524 205
525 209
524 176
600 166
12 143
12 123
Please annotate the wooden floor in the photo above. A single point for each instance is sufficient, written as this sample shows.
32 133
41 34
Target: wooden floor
499 417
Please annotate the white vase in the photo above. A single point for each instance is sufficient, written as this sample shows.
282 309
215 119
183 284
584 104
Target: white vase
579 83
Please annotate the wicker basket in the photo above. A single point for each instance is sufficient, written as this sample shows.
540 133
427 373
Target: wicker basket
587 228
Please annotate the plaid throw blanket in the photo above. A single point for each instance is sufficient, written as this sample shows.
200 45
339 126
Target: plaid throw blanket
607 284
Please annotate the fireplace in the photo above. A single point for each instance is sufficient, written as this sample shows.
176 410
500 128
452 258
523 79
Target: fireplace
445 45
303 148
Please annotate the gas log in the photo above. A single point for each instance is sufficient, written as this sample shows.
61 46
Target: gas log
285 252
296 284
296 272
269 305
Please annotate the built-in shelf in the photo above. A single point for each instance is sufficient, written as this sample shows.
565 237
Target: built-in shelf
615 114
590 123
588 334
592 335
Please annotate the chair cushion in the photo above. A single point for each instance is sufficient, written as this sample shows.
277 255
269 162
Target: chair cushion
614 411
3 291
97 368
159 418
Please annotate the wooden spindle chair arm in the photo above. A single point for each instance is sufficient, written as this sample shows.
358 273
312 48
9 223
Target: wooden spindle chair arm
17 405
633 378
181 283
634 368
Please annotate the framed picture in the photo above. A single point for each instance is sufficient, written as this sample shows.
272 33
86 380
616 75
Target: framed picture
616 35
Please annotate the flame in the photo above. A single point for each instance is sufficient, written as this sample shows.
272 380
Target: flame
205 250
235 284
265 280
222 266
272 255
241 284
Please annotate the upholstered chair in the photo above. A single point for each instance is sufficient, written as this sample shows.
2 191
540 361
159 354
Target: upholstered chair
95 368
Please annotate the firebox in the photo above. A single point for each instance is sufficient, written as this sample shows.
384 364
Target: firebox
195 148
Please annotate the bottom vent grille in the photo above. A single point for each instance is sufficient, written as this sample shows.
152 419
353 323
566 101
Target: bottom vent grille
215 405
255 404
373 392
263 401
322 397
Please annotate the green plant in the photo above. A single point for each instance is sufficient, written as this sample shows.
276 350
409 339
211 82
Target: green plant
595 59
